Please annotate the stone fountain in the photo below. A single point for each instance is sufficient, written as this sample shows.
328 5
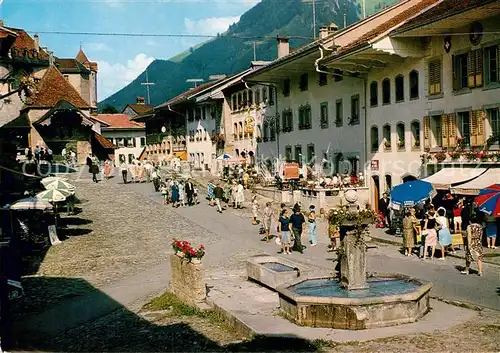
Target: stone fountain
354 300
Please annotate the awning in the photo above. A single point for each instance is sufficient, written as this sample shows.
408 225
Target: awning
450 177
490 177
182 155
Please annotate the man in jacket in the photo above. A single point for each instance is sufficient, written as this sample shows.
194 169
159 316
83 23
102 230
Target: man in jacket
189 188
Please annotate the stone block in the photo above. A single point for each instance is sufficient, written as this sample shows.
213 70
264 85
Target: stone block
353 263
83 148
271 271
187 280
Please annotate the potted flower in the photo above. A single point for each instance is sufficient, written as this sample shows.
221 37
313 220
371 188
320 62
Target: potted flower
455 155
401 143
440 156
387 144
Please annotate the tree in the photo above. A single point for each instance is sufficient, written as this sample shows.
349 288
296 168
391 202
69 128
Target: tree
109 109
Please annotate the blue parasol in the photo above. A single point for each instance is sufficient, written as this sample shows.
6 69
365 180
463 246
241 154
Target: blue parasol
411 193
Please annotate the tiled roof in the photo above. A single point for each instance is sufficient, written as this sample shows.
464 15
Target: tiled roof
4 32
388 25
185 95
140 109
93 66
24 41
70 66
118 121
104 142
444 9
81 57
53 88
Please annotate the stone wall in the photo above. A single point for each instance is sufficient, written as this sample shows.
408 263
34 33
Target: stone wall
83 148
187 280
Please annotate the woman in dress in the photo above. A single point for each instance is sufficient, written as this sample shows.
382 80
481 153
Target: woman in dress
240 195
444 234
175 194
107 169
182 193
491 231
409 224
284 229
255 210
210 193
473 246
227 192
430 233
311 219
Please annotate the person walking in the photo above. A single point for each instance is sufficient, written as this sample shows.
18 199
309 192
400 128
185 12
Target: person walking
284 229
156 179
409 225
94 167
175 194
72 156
182 194
210 193
444 234
268 219
255 210
473 246
124 170
107 169
429 234
219 194
37 154
189 188
457 216
297 221
240 195
383 206
491 231
311 219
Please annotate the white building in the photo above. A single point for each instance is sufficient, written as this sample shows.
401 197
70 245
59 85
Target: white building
426 89
128 136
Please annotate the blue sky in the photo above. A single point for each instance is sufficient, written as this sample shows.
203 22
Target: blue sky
121 59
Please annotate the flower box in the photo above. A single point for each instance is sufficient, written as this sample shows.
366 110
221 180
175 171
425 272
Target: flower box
183 249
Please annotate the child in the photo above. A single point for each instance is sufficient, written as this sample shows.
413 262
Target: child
255 209
284 228
164 192
334 233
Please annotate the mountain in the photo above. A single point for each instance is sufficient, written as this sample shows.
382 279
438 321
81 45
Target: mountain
228 53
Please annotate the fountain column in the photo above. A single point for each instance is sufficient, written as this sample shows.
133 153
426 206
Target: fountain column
353 260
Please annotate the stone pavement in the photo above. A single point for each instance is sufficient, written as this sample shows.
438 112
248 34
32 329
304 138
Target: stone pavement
230 239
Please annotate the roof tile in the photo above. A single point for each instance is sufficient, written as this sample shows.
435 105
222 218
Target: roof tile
140 109
70 66
53 88
25 42
118 121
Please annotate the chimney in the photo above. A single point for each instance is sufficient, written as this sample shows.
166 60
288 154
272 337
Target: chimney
283 47
140 100
332 28
36 43
51 57
323 32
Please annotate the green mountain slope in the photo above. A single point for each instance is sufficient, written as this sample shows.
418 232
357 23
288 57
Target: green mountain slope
228 55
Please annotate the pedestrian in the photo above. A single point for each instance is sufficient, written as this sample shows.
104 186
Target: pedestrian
491 231
429 233
175 194
240 195
284 229
444 234
409 227
107 169
234 189
219 194
37 154
94 168
149 170
383 206
141 171
255 210
227 192
297 221
182 194
124 170
29 154
311 218
164 192
195 195
457 216
210 193
267 219
42 154
88 161
73 158
156 179
189 188
473 246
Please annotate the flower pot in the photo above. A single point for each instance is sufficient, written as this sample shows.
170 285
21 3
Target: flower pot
180 254
195 261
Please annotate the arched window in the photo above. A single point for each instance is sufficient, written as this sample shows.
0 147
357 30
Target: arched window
414 84
400 130
240 100
266 132
415 135
374 94
400 88
235 130
386 133
374 138
259 131
386 91
240 130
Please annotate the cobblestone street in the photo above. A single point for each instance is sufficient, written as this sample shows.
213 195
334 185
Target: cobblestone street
123 253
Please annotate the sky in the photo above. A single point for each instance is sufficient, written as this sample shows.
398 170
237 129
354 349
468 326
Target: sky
120 58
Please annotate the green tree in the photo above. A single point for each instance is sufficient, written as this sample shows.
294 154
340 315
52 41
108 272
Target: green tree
109 109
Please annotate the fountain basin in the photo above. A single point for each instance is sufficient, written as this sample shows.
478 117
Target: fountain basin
321 302
271 271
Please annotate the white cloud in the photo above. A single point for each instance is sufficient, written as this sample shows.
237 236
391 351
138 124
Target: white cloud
114 76
209 25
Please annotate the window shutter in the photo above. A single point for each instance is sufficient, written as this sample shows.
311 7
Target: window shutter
481 118
471 69
452 130
427 127
479 67
444 130
454 72
473 128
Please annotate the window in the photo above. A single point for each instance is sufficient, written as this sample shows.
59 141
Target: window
257 97
414 84
386 91
322 79
436 130
386 131
286 87
143 141
400 130
305 117
287 120
461 71
189 116
494 119
240 101
373 94
235 130
492 64
310 154
354 119
271 95
324 115
66 77
415 134
400 88
198 113
464 126
266 132
288 153
204 112
374 138
240 129
304 82
245 98
235 103
298 154
339 116
338 75
272 131
434 77
264 95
